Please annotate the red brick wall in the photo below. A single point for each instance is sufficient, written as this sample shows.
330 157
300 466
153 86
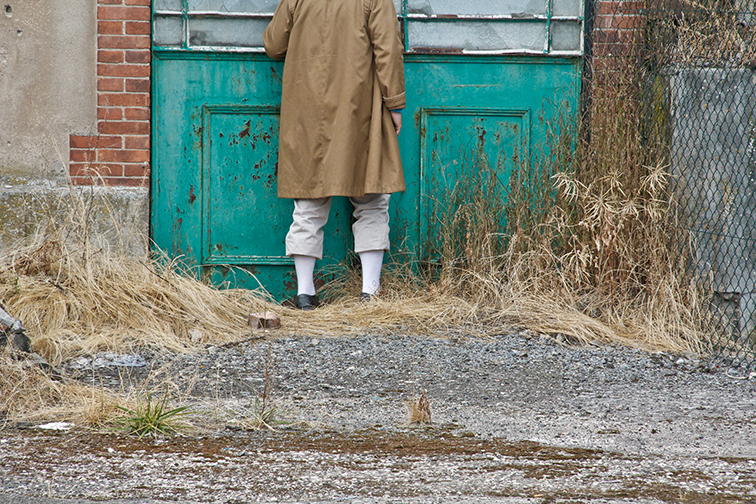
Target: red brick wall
615 27
119 155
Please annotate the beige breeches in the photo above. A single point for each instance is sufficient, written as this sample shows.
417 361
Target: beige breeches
370 229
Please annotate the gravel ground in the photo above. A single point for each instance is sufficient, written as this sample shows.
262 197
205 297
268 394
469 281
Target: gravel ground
517 418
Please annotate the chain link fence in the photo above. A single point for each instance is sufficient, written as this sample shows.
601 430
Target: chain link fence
696 66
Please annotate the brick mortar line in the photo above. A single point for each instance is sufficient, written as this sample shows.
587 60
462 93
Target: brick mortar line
121 147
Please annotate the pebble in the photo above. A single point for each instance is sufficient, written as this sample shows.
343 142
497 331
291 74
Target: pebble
108 359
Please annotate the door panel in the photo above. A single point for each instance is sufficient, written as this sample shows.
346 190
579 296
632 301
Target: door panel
454 144
239 184
214 166
487 86
462 108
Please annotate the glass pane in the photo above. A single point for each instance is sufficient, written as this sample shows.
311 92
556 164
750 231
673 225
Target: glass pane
169 31
565 35
566 8
398 7
248 6
478 36
230 32
477 7
169 5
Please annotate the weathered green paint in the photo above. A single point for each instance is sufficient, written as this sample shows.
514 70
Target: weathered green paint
467 110
214 168
216 134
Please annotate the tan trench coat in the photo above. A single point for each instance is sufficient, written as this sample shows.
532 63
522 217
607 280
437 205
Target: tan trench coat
343 72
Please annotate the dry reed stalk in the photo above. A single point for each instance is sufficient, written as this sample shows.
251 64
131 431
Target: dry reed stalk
29 394
710 33
418 409
590 243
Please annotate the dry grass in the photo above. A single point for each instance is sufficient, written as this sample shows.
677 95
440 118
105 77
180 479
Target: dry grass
703 33
29 394
75 297
586 247
418 409
74 301
591 248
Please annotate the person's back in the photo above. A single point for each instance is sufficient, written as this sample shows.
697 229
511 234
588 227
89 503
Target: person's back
343 61
342 94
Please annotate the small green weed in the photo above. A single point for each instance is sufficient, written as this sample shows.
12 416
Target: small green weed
263 416
153 417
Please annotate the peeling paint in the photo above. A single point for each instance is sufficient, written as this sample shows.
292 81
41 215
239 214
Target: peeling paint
247 128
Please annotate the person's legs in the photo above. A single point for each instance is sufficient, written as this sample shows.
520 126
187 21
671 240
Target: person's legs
371 237
304 242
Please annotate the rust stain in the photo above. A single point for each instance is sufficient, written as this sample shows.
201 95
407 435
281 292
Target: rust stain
482 137
192 196
247 129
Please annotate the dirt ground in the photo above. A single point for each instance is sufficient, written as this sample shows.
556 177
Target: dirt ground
516 418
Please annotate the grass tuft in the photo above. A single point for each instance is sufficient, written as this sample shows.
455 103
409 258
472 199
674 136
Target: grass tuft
28 393
152 417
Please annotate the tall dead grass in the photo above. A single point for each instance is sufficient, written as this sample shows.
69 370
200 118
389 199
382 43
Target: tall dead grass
75 301
701 33
75 298
28 393
591 248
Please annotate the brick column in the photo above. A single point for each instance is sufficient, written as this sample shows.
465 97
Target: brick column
615 27
119 155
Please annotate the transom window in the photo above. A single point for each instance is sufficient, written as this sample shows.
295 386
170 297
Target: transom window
552 27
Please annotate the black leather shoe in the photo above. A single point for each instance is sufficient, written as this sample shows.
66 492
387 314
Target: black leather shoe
365 297
306 301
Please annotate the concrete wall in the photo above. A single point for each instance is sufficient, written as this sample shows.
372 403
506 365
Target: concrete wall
47 84
48 95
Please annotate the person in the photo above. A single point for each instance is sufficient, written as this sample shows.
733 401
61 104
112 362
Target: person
341 103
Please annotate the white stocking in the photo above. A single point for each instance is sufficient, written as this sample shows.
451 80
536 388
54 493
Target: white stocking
372 262
305 266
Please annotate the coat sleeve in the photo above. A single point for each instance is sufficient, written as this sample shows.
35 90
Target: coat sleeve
383 29
276 35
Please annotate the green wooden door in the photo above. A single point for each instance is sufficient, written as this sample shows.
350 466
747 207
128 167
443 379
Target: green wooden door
485 80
